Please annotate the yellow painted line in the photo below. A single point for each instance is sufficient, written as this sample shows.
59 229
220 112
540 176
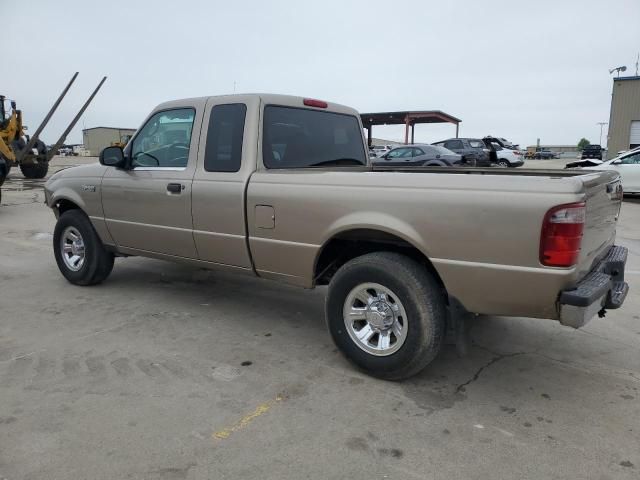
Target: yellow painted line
247 419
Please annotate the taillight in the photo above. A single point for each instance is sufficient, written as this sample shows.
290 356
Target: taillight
310 102
561 236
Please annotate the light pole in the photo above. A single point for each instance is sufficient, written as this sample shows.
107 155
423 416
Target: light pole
602 124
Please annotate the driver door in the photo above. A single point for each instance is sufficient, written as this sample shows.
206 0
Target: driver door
148 206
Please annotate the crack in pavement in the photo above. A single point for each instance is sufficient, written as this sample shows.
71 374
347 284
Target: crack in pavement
462 387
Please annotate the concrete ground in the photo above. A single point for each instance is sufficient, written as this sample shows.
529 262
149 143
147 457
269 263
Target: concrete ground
168 372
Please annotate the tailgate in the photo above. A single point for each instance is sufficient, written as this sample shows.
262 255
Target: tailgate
603 199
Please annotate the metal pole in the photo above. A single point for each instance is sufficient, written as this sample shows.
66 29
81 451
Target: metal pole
32 141
413 128
457 128
602 124
62 138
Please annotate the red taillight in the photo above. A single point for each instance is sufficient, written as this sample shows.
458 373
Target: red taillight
561 236
310 102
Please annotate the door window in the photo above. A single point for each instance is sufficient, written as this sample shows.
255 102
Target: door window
224 138
417 152
399 153
164 140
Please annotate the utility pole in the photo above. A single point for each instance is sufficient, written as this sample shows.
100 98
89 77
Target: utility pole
602 124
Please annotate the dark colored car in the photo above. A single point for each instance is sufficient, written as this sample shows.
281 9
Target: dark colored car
592 151
473 150
419 155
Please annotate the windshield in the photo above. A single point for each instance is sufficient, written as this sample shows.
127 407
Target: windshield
299 138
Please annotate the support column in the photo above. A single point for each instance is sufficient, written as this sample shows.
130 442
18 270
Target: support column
406 130
413 127
369 135
457 128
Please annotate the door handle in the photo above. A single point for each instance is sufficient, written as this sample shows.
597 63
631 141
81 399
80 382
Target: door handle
175 188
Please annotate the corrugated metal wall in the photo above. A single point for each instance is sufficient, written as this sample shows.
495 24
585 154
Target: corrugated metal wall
95 139
625 108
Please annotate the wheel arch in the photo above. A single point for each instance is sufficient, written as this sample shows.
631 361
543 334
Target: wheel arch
349 243
66 201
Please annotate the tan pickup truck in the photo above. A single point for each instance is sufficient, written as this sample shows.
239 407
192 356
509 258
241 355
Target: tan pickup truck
281 187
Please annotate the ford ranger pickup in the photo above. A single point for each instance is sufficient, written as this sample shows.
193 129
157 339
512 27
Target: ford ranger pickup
281 187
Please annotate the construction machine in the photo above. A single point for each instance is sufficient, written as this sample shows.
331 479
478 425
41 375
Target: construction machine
29 152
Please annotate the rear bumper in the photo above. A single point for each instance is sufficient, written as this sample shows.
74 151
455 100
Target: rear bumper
604 287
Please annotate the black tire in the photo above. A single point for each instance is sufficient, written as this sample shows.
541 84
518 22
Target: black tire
34 170
98 262
503 163
421 297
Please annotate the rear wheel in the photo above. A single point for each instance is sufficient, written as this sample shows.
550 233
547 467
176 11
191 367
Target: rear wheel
386 313
79 252
503 163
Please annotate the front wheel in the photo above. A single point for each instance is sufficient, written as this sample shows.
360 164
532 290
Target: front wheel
34 170
387 314
79 252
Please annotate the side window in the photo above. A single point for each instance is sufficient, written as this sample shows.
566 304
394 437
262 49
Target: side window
164 140
223 152
454 145
417 152
399 153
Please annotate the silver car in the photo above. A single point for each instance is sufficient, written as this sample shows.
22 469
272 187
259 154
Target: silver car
420 155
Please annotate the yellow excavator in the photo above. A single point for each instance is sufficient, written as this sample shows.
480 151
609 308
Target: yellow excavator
29 152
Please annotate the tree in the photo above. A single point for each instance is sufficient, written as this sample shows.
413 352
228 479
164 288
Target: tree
583 143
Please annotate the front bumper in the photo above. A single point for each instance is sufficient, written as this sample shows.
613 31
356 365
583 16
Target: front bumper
604 287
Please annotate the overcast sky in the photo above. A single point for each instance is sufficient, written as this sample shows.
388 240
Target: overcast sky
506 68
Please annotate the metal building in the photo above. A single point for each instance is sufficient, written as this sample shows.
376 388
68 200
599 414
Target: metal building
624 121
97 138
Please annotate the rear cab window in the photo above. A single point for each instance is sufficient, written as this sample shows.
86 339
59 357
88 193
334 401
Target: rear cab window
304 138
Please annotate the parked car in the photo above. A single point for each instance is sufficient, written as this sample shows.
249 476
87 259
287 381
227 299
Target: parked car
544 154
627 165
507 157
473 150
280 187
592 151
420 155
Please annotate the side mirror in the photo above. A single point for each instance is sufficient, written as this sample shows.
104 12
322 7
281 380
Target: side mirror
616 162
112 157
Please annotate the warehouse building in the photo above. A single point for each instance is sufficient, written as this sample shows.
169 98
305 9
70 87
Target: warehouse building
624 121
97 138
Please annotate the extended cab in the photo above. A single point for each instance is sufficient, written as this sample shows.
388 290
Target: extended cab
281 187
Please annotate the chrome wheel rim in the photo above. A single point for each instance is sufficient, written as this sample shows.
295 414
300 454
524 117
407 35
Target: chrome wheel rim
375 319
503 164
72 249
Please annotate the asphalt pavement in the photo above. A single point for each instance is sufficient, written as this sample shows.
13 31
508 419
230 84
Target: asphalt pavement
170 372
